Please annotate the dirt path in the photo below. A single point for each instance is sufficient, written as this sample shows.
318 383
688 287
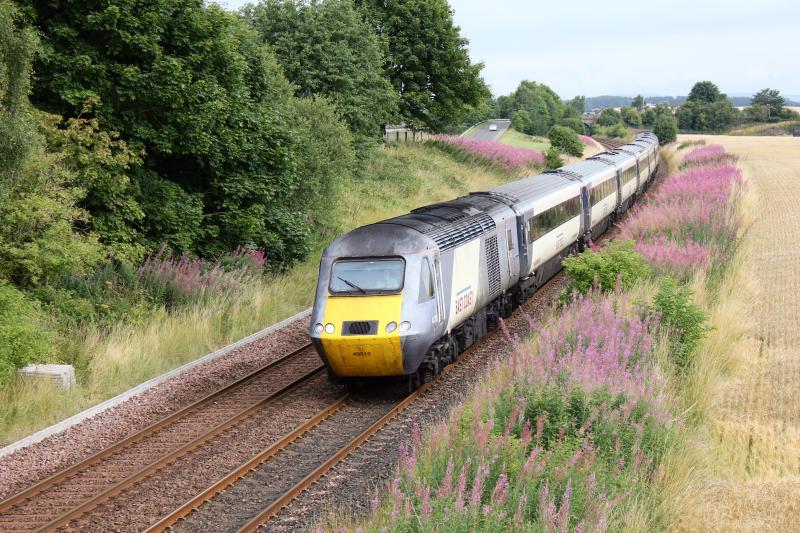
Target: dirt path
753 449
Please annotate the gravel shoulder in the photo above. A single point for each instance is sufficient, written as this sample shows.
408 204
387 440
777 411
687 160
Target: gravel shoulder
30 464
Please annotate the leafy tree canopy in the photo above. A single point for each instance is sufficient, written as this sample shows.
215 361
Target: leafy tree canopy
194 88
638 103
329 49
609 117
631 117
665 128
427 60
566 140
771 98
705 91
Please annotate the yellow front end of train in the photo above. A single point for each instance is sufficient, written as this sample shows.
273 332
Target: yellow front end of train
352 352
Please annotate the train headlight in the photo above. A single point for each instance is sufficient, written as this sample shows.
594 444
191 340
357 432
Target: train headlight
391 326
318 328
405 326
329 328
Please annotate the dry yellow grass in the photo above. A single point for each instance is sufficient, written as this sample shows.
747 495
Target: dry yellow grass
748 464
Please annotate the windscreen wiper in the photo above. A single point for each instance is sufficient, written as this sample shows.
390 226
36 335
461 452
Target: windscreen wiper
352 285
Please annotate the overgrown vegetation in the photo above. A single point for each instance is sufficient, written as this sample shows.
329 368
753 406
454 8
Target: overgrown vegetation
618 266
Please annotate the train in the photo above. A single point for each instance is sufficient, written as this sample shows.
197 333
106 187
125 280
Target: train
406 296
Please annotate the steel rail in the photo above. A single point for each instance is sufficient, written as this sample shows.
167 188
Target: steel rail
318 473
47 483
170 457
245 468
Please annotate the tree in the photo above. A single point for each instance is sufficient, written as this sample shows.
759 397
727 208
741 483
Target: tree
772 99
609 117
638 103
665 128
648 117
631 117
757 112
705 91
565 140
552 158
521 120
575 107
427 60
329 49
192 86
38 212
541 104
573 123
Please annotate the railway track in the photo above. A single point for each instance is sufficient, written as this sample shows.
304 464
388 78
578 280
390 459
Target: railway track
256 491
75 491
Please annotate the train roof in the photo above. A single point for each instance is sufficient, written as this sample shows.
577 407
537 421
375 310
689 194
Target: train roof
533 187
380 239
616 157
589 171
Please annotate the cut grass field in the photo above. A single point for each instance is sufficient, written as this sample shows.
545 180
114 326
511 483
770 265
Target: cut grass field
747 464
397 179
520 140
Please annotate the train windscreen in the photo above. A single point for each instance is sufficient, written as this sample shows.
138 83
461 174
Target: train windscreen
367 276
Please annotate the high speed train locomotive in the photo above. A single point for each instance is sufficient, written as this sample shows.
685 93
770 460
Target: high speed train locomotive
406 296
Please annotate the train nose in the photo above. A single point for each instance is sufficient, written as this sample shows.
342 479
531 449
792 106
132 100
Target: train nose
361 336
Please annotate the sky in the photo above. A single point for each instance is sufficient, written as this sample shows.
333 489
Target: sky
632 47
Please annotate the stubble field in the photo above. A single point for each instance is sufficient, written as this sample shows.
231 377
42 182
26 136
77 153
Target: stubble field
751 453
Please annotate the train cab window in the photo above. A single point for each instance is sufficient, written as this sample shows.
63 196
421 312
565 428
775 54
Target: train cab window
367 276
510 240
426 281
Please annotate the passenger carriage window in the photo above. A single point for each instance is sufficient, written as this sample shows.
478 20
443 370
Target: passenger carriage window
426 281
552 218
629 175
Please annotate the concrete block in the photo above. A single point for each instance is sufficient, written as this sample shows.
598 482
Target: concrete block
59 375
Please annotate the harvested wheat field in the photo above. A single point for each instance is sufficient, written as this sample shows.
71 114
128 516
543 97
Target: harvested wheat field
750 460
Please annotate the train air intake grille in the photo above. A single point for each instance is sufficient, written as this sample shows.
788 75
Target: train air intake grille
462 231
493 266
360 328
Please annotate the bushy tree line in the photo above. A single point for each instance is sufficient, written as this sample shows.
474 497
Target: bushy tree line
174 123
214 107
534 108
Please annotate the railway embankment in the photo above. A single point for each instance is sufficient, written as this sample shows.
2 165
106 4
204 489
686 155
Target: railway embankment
589 423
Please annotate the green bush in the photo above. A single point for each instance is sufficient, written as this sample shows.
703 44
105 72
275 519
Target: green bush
619 264
552 158
685 321
566 140
23 337
573 123
666 129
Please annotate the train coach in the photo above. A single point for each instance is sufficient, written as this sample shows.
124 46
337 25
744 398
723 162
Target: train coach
406 296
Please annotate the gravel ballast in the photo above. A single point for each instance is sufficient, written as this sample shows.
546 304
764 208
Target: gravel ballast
39 460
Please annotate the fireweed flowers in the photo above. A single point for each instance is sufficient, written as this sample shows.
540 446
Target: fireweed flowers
692 220
497 154
556 438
